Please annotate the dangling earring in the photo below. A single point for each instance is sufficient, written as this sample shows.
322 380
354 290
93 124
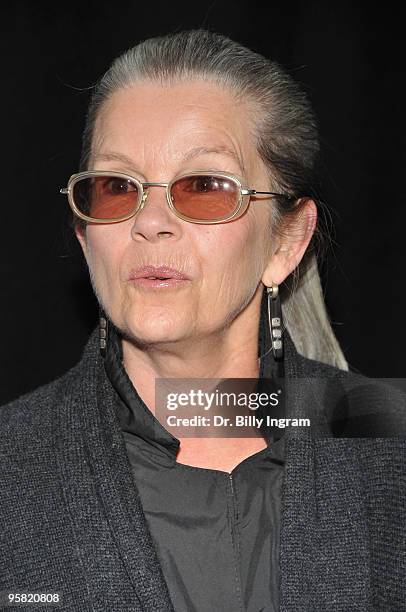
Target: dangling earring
103 332
275 321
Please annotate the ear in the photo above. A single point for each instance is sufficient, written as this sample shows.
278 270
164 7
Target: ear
292 245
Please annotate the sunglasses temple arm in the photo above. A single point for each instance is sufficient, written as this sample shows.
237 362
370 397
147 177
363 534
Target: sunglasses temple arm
272 193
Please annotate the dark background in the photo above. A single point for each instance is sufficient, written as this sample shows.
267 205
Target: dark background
350 62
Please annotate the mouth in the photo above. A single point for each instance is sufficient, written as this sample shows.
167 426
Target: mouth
158 277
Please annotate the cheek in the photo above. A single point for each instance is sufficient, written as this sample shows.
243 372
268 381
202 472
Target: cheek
246 243
234 251
250 260
103 255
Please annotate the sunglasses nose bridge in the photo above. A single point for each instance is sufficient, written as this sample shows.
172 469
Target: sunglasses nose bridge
145 191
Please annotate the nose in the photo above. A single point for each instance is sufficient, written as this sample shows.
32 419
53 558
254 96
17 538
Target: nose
154 220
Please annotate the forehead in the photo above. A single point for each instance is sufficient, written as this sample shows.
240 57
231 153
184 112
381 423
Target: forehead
151 120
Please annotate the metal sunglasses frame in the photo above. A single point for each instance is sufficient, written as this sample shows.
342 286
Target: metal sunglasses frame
241 207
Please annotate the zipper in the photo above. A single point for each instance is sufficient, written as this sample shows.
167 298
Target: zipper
231 483
235 541
230 476
235 517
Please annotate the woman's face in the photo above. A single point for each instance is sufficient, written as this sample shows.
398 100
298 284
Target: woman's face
159 130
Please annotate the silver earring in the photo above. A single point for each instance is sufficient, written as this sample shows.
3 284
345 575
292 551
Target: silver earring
103 332
275 321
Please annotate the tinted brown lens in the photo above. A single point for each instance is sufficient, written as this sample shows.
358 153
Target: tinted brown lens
205 197
105 197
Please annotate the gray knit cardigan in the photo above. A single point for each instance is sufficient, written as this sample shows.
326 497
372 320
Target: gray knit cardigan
72 521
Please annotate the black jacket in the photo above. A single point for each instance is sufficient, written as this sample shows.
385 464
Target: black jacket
72 521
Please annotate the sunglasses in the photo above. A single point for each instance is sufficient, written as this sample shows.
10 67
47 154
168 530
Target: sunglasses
198 197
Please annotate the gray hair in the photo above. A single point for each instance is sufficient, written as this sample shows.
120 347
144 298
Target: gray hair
287 141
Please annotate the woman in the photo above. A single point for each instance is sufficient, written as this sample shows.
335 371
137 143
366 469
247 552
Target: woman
196 208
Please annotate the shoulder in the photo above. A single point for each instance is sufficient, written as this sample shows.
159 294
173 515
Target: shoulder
356 405
31 414
33 411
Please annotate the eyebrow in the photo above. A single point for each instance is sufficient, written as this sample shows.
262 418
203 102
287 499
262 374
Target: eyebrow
197 151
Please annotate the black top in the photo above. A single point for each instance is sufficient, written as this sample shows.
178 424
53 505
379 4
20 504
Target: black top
216 533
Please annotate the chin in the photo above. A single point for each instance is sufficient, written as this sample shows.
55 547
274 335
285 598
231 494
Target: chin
152 328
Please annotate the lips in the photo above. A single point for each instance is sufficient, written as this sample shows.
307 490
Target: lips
158 273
